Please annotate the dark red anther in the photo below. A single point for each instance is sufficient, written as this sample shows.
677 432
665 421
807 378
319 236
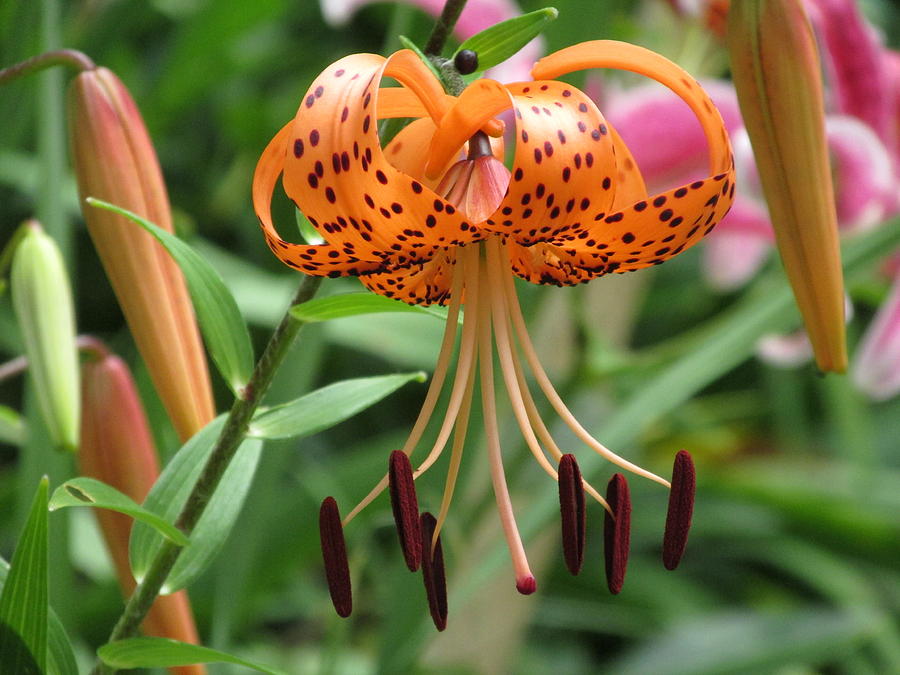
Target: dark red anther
572 511
617 532
433 573
681 509
406 508
334 553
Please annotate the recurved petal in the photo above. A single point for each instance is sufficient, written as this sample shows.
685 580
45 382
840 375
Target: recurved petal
877 365
336 172
420 284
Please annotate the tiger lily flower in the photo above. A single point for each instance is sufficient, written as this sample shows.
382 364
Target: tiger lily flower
436 218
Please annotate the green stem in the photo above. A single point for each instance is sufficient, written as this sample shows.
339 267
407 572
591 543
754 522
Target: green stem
444 26
232 434
58 57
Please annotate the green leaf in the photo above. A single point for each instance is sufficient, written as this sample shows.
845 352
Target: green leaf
150 652
220 320
60 657
12 426
496 44
307 231
327 406
412 46
90 492
354 304
24 600
170 492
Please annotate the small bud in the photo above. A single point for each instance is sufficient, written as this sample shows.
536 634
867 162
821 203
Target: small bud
617 532
42 300
681 509
406 508
572 511
777 75
334 554
433 572
115 161
117 448
466 61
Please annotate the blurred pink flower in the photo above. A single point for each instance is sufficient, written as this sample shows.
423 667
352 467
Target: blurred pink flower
477 15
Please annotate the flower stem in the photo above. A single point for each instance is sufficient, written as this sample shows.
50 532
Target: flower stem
233 433
58 57
444 26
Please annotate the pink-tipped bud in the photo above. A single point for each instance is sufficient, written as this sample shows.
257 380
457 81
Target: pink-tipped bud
478 183
117 448
406 508
334 554
617 532
572 512
433 572
114 160
681 509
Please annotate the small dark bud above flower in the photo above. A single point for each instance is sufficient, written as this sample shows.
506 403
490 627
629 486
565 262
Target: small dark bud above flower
433 572
572 512
334 554
681 509
466 62
406 508
617 532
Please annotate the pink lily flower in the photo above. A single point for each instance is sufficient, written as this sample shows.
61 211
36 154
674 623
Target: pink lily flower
477 16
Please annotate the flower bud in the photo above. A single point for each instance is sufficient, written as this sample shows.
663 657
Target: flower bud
42 299
117 448
115 161
776 71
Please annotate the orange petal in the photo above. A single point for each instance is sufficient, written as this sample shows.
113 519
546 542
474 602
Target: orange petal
336 172
324 260
421 284
564 167
630 187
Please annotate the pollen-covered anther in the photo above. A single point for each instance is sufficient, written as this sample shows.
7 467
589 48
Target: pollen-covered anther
406 508
681 509
617 532
334 554
572 512
433 572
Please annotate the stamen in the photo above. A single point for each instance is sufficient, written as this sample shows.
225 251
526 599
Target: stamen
433 573
681 509
526 585
492 436
617 532
334 554
572 511
406 508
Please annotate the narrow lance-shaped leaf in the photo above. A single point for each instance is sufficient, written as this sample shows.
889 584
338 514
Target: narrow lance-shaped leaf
327 406
496 44
169 494
220 320
163 653
354 304
90 492
24 600
777 75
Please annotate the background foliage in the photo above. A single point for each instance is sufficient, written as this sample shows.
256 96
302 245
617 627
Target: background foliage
792 564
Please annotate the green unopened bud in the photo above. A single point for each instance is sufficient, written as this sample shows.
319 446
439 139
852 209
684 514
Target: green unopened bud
777 75
42 300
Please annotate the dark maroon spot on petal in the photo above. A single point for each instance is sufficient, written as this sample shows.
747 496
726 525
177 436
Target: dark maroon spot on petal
561 136
450 209
379 174
433 572
314 137
430 220
537 155
617 532
582 127
607 183
367 99
589 159
665 214
567 93
406 508
319 91
298 148
680 192
539 190
310 100
518 174
438 205
572 512
535 110
585 203
582 107
696 185
524 136
336 162
396 208
339 72
526 585
566 174
548 149
345 113
334 554
628 237
417 187
345 161
640 206
313 180
330 196
366 122
659 201
603 130
681 509
595 134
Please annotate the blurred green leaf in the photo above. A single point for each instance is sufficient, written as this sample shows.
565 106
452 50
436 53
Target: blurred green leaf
496 44
354 304
748 643
307 231
327 406
12 426
170 492
154 652
409 44
220 320
91 492
24 600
